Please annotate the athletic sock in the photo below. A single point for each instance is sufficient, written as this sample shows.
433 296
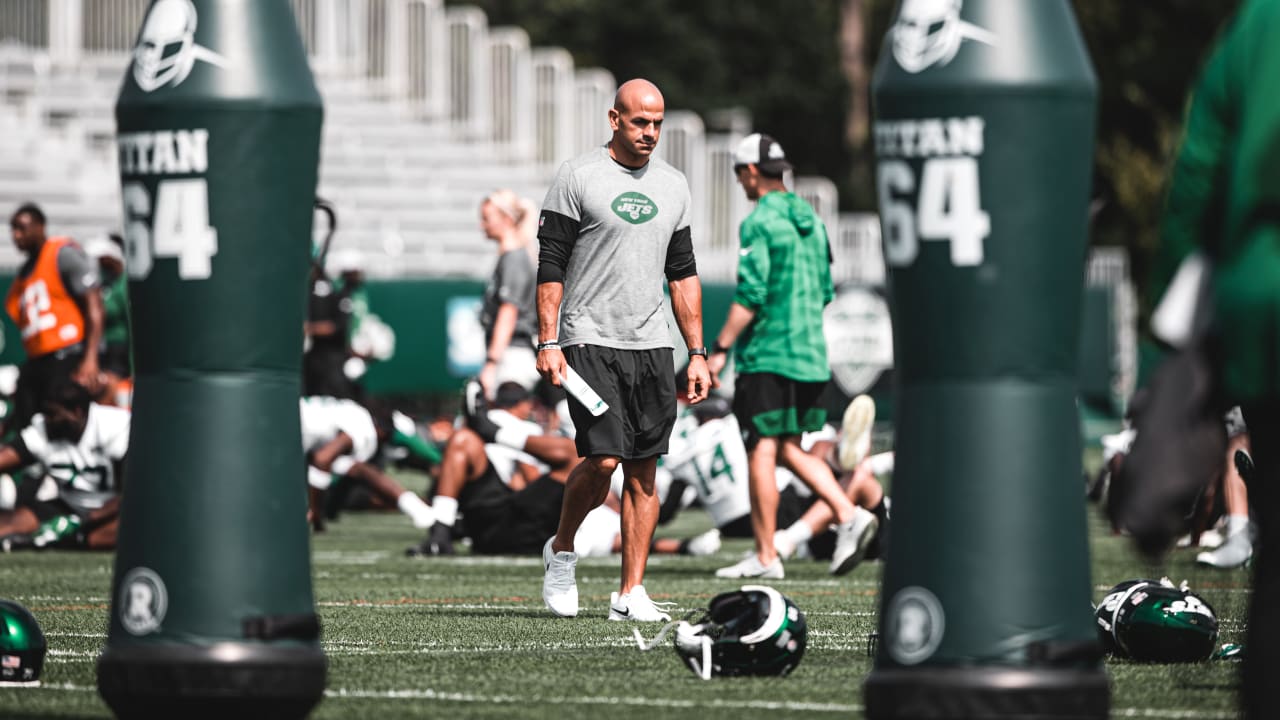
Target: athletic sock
1236 523
799 532
421 513
446 509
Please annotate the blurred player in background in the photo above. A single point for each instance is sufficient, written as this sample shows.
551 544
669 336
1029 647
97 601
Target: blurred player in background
708 455
75 449
340 436
508 314
114 356
784 282
57 305
504 476
328 333
1225 186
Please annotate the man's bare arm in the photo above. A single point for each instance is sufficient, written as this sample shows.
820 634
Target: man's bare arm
551 361
739 318
686 305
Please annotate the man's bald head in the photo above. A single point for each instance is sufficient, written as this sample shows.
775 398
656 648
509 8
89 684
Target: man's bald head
636 121
638 93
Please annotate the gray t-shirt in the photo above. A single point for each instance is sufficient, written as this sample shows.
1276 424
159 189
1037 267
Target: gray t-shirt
613 284
78 271
514 281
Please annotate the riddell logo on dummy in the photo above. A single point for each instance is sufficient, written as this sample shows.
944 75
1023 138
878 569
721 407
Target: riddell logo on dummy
167 49
634 207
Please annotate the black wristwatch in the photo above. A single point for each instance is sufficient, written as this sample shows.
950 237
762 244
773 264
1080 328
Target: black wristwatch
717 348
698 351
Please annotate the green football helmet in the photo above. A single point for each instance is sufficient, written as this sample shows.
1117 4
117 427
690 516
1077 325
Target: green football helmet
753 631
1152 621
22 644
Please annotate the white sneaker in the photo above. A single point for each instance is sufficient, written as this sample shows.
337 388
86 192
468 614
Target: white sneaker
559 588
783 544
855 431
708 543
1234 552
637 606
751 567
852 539
1210 539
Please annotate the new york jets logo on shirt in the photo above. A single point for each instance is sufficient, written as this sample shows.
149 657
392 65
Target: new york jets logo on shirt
634 207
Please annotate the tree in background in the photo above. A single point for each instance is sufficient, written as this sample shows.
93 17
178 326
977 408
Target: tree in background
802 70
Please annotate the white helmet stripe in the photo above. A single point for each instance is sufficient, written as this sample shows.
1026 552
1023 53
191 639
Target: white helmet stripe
777 611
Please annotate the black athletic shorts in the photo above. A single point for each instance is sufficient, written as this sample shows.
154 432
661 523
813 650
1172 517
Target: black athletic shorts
640 389
502 521
791 505
769 405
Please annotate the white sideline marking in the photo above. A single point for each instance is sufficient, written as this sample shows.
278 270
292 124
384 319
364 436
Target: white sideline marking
53 652
33 599
1173 714
428 694
339 557
359 648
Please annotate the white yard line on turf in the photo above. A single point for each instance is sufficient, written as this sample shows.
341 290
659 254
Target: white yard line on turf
428 694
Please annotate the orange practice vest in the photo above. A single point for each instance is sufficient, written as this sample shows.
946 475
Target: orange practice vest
46 314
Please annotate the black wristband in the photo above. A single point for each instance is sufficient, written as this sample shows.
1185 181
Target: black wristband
717 348
698 351
548 345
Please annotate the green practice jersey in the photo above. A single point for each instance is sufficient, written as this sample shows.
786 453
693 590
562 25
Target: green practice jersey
784 276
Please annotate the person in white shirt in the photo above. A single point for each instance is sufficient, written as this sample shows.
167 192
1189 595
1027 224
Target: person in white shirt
339 437
504 477
73 451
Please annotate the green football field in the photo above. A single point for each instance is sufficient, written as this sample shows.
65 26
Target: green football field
467 637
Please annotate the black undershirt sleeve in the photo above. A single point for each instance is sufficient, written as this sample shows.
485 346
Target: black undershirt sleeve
680 260
556 234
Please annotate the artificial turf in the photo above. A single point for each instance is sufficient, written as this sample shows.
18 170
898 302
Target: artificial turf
468 637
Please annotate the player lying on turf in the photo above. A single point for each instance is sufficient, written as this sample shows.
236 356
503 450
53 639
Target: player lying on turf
504 476
811 534
707 454
74 450
404 449
340 437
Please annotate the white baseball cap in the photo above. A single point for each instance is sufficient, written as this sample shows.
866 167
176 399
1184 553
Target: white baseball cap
762 151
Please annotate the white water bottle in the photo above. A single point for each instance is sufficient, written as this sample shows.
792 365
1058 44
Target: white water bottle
582 392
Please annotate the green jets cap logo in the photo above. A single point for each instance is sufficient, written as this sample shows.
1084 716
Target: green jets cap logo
634 207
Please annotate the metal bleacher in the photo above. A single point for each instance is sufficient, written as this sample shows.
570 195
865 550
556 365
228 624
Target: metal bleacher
427 109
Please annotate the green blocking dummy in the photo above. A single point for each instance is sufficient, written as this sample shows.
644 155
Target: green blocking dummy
212 612
984 131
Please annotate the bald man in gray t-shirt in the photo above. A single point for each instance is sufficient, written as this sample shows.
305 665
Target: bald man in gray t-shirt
614 224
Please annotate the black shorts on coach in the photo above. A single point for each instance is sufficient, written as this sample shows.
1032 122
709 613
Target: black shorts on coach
640 388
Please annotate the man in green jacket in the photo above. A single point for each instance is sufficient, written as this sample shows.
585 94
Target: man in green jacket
1223 198
784 282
